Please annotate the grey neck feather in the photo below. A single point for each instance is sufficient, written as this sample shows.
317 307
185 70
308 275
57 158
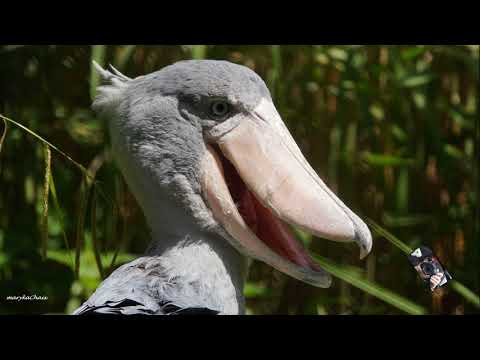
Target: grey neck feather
208 271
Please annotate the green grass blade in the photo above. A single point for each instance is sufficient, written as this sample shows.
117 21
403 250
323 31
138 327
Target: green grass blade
53 191
4 133
277 60
38 137
98 55
389 236
124 56
84 195
467 294
350 144
371 288
393 220
114 257
276 71
120 243
96 249
46 192
402 190
87 180
81 211
112 228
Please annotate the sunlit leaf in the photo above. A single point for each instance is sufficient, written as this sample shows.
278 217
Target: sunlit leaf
420 99
399 133
386 160
417 80
377 111
199 52
254 290
453 151
338 54
412 52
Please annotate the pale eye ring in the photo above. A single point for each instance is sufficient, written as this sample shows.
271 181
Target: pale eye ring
219 108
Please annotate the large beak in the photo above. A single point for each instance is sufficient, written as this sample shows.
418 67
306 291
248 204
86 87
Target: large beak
256 179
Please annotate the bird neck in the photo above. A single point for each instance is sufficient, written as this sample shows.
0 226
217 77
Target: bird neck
208 272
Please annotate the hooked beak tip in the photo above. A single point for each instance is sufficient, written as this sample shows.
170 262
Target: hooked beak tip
363 253
363 238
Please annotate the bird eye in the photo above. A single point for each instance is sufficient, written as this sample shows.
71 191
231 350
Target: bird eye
220 108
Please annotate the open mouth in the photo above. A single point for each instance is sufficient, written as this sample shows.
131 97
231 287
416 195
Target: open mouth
257 184
271 230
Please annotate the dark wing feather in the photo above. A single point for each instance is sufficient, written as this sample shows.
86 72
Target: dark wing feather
131 307
170 309
123 307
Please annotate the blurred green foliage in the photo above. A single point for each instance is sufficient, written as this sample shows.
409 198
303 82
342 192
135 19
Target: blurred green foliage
392 129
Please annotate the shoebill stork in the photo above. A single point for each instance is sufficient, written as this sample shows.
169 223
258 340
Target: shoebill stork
219 179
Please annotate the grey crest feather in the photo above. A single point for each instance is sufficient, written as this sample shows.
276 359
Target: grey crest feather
109 94
109 76
119 74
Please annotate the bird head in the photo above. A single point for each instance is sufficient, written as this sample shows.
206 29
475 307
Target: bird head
201 142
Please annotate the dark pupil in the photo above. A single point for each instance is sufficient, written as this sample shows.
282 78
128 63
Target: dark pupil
219 108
